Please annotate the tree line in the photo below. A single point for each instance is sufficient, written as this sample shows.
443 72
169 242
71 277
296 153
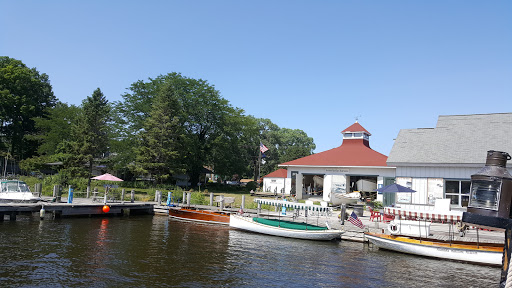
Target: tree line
166 126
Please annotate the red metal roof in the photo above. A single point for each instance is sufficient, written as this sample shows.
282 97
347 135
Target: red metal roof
356 127
279 173
353 152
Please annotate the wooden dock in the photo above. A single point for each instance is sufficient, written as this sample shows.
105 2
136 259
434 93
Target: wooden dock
79 207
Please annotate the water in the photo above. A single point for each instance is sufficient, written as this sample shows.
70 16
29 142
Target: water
155 251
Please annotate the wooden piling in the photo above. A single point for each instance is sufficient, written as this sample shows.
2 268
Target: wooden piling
132 196
211 199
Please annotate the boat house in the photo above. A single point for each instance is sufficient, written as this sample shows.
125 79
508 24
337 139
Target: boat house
353 166
438 162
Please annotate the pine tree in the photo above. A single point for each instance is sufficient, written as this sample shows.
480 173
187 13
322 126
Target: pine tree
160 153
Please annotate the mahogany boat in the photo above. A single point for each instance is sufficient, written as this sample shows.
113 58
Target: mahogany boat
205 216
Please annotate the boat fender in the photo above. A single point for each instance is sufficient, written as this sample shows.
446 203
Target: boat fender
393 228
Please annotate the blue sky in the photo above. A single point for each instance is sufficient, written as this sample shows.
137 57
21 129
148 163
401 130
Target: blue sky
310 65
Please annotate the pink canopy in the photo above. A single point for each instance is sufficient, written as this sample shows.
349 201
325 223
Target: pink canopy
107 177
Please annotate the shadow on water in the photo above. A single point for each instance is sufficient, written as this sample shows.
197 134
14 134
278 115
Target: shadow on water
155 251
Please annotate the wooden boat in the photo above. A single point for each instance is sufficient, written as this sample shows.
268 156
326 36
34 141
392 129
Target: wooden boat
205 216
283 228
481 253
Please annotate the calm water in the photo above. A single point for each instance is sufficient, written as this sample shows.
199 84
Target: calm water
154 251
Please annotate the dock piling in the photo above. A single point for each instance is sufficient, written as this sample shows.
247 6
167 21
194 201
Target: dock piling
132 196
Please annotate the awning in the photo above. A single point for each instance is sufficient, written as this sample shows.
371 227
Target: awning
294 205
429 215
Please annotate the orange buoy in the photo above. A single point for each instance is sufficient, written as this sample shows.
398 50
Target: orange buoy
106 209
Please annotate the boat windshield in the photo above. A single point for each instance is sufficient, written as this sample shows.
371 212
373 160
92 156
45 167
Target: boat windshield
14 186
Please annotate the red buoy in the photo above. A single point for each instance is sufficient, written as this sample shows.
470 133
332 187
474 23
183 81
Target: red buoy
106 209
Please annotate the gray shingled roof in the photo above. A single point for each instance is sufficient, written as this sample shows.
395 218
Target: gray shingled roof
457 139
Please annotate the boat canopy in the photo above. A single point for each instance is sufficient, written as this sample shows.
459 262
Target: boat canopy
294 205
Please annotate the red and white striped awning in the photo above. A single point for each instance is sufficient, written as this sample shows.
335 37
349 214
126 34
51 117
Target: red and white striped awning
432 215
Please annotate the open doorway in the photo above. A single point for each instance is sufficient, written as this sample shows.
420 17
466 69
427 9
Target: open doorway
365 185
313 184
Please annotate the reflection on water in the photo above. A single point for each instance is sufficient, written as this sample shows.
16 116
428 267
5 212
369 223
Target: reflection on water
146 251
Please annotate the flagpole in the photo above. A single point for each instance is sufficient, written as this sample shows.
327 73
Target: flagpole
259 164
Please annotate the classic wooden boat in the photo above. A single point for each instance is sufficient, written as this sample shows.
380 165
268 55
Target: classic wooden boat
481 253
205 216
283 228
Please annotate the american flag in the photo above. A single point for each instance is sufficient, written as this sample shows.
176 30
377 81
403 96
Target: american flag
354 220
263 148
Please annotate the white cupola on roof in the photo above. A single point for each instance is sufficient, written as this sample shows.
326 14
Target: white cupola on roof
356 131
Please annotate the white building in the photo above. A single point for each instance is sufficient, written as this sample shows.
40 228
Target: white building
275 182
353 166
438 162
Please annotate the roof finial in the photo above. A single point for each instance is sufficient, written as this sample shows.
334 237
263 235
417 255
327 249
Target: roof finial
357 117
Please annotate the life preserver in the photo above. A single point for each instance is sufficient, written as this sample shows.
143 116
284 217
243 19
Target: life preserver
393 228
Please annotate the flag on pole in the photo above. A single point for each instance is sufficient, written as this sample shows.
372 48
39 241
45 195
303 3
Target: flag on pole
263 155
263 148
356 221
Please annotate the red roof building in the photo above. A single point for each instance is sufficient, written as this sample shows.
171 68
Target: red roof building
354 151
351 167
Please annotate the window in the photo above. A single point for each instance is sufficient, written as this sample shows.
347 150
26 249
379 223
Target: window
458 192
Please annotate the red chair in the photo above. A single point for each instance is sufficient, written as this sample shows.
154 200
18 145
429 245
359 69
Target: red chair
387 218
375 215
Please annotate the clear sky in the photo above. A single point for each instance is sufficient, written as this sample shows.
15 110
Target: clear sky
310 65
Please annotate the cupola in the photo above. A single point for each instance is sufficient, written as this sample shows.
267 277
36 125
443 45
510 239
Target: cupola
356 132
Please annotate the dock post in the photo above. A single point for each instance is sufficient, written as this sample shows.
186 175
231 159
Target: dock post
184 199
242 206
88 192
156 195
221 203
56 193
342 215
38 188
132 196
211 199
122 195
159 197
259 208
70 194
189 197
12 216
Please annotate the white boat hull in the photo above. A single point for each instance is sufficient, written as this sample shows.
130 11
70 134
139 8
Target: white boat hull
466 255
248 224
344 198
18 197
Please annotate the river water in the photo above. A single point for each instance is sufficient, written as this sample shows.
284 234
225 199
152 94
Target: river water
155 251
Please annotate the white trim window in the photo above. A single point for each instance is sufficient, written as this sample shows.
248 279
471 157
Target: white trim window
458 192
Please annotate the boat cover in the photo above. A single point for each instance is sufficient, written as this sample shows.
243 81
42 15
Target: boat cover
288 224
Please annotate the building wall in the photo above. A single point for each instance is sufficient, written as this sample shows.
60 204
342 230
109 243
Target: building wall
429 182
271 184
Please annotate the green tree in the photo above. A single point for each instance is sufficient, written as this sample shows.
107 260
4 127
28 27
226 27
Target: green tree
24 94
56 127
90 136
160 153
